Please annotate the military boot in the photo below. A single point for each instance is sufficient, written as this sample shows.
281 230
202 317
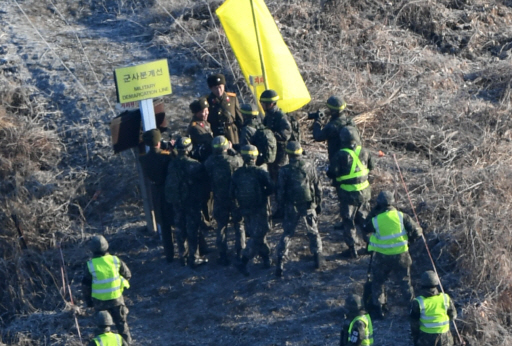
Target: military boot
319 260
242 266
353 252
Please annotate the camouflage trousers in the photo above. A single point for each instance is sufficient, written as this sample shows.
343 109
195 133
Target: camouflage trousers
222 213
164 218
280 161
187 220
352 215
382 268
292 215
425 339
256 224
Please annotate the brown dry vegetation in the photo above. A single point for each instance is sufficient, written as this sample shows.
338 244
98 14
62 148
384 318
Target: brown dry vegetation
431 81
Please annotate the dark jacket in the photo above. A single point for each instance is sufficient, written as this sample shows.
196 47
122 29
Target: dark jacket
225 116
331 132
299 170
154 165
220 168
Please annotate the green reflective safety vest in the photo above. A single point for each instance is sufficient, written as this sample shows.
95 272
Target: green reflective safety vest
108 339
363 171
433 314
107 283
368 330
390 237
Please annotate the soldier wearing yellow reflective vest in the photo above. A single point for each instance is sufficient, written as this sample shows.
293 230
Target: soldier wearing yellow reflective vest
431 314
349 171
357 328
105 337
393 230
105 278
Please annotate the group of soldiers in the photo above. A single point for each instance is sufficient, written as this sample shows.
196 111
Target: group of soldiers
235 166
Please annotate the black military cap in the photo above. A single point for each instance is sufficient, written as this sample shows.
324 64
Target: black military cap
152 137
199 105
249 109
293 148
336 103
269 96
216 79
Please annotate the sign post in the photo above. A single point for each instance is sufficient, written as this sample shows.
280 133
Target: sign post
142 83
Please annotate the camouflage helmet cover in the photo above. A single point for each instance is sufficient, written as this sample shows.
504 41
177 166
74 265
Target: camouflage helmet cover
429 279
184 143
249 110
98 244
336 104
385 198
103 318
269 96
354 303
349 137
249 152
293 148
220 143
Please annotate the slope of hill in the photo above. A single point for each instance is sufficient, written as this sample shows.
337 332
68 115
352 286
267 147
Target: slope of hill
431 82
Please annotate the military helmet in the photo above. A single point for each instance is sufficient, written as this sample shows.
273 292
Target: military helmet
385 198
220 143
249 152
152 137
349 137
429 279
269 96
249 110
184 143
98 244
199 105
354 303
103 318
216 79
336 104
293 148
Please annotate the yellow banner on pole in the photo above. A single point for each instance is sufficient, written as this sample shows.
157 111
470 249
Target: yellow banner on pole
142 82
252 33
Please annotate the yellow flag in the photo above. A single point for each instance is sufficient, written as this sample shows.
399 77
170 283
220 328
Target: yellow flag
251 33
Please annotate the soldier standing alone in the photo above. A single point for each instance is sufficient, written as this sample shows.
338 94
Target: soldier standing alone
390 242
225 115
251 186
220 167
105 278
300 194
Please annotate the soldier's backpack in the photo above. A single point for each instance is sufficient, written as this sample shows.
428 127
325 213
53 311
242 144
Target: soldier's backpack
266 143
249 193
176 183
298 184
296 134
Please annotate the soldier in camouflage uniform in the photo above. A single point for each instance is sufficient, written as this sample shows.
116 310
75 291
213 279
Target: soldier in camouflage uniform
277 121
331 131
252 123
225 115
431 314
390 244
185 188
199 130
154 165
357 327
250 187
300 194
104 335
105 278
220 167
349 171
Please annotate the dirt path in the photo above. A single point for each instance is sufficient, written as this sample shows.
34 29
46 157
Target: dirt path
170 305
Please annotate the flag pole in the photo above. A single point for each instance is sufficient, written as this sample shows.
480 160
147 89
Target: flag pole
263 72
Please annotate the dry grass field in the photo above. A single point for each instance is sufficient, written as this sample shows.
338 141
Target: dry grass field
429 82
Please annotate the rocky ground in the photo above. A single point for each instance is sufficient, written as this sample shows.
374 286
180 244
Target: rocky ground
62 56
